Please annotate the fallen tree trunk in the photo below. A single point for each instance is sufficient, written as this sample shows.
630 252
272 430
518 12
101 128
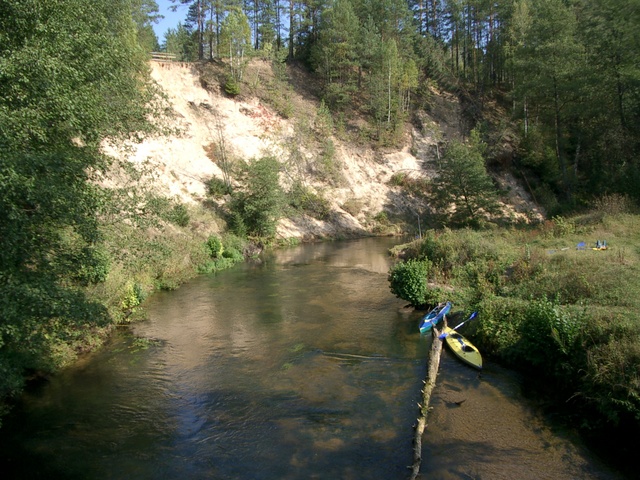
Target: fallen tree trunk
429 384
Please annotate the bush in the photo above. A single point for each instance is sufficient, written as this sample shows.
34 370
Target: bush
259 206
222 256
179 215
408 281
236 224
169 210
133 296
304 199
231 87
215 247
353 206
94 266
234 254
217 187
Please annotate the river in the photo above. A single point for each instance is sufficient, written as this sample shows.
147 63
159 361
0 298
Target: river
301 365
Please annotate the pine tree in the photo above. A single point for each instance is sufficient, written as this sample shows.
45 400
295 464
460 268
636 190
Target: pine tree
463 190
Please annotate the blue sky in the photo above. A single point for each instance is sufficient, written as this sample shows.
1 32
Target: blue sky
170 19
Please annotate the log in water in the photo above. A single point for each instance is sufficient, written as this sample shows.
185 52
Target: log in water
429 384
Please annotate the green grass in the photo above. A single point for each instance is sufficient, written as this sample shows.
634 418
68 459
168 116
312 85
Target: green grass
566 317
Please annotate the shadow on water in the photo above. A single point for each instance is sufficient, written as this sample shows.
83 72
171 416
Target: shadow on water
303 366
482 426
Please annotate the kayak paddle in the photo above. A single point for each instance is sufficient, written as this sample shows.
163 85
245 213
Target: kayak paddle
442 336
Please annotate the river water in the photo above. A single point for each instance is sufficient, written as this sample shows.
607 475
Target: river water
300 366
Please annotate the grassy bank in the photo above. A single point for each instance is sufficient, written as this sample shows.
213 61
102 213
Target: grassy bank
565 316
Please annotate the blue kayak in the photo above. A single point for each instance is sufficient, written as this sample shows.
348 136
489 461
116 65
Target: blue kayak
434 316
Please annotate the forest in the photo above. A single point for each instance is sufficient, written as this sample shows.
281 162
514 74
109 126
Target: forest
557 81
566 71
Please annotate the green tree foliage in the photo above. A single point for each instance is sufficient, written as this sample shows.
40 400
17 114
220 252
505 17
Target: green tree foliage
335 54
215 248
195 22
71 73
463 182
549 64
181 42
257 206
609 116
365 51
408 281
145 13
235 40
383 75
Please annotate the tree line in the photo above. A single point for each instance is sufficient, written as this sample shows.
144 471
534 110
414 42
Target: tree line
567 71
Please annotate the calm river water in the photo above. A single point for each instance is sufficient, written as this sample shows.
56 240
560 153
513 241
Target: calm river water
301 366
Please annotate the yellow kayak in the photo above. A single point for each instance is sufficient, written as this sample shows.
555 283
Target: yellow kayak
462 348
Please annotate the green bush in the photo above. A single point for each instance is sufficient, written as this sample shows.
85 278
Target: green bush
302 198
547 336
231 87
169 210
217 187
234 242
94 266
215 246
353 206
408 281
133 296
234 254
236 224
223 253
258 207
179 215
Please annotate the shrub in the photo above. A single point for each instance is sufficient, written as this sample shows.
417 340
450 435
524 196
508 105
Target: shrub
236 224
324 120
94 266
231 87
408 281
382 218
132 297
169 210
614 204
562 227
215 247
329 167
304 199
217 187
234 254
259 205
353 206
398 179
233 242
179 215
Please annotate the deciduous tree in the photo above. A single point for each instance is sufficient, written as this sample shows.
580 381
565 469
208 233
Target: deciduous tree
71 73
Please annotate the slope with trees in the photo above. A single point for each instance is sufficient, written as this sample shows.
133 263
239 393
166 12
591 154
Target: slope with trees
71 74
551 91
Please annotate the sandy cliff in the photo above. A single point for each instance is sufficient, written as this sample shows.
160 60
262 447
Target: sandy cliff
251 129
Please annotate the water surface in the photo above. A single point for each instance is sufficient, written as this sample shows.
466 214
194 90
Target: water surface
300 366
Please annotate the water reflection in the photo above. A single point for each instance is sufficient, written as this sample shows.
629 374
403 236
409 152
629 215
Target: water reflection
300 366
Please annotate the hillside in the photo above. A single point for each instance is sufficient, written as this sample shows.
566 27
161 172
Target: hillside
249 127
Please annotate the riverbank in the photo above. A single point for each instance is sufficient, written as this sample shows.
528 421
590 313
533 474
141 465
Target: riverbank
252 373
558 310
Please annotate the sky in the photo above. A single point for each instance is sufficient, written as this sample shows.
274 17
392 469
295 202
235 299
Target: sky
170 20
